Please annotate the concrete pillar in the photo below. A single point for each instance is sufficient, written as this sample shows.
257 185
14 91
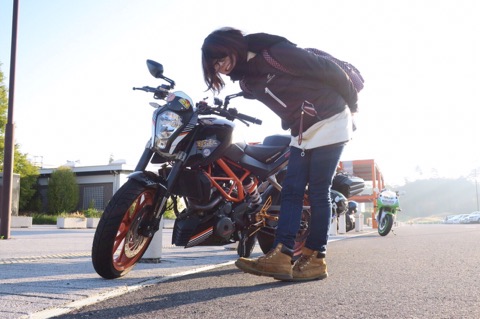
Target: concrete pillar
342 224
333 227
358 221
154 251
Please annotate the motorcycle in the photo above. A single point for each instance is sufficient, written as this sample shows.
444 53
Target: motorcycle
351 211
231 191
345 186
387 205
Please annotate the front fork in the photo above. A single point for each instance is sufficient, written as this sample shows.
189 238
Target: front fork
150 223
379 216
383 212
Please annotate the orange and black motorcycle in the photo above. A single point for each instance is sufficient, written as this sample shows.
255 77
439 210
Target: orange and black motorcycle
231 191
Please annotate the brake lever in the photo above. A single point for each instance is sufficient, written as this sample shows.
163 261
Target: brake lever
244 122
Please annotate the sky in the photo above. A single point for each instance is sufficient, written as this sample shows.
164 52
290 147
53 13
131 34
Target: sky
77 62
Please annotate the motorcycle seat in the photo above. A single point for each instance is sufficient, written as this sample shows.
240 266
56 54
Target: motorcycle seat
277 140
264 153
267 152
272 147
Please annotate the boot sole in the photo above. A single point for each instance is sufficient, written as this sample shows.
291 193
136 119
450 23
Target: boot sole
283 277
323 276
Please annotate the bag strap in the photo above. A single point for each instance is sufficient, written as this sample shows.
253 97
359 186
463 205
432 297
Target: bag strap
348 68
270 60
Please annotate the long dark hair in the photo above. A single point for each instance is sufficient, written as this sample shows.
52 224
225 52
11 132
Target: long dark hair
218 45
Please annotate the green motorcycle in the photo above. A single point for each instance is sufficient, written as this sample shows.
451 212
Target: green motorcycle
388 205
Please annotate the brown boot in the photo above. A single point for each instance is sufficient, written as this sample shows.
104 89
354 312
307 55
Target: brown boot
277 263
310 266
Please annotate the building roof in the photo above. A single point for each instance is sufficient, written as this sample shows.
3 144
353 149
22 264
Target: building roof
112 168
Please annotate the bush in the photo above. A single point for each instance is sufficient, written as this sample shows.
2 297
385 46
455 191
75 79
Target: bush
73 215
63 193
93 213
169 213
43 219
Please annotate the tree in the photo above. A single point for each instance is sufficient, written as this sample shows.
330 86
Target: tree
28 179
3 113
27 171
63 192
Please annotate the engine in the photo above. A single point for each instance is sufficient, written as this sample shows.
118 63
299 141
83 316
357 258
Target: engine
202 229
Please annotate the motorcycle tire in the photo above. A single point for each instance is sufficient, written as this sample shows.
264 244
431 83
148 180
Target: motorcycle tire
117 244
385 225
266 235
265 238
349 224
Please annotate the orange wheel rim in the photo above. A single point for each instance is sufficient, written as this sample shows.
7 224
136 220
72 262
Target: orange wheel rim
129 245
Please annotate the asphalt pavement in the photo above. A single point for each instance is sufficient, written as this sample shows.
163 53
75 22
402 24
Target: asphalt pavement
417 272
46 271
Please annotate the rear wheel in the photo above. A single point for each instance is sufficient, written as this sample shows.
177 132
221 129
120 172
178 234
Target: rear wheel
118 245
266 235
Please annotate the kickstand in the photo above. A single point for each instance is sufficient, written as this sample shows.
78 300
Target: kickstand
393 232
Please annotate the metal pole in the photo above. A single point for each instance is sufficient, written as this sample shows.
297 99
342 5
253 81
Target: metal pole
6 206
476 189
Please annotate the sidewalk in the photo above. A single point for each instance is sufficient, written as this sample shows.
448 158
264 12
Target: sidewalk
46 271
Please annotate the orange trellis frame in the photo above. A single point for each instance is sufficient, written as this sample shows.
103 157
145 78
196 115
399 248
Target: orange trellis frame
369 171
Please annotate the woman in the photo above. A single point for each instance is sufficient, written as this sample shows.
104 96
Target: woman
310 94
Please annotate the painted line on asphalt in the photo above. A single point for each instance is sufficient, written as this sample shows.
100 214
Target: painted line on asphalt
341 237
20 260
75 305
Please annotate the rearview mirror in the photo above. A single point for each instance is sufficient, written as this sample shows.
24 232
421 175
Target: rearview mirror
155 69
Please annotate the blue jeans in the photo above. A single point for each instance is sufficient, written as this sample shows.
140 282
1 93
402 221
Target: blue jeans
316 168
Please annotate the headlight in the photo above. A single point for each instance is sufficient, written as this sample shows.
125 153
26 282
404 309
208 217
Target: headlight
166 125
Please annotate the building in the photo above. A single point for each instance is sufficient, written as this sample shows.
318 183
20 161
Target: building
97 184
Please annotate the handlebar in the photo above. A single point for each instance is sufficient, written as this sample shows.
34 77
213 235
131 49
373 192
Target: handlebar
162 91
229 114
146 89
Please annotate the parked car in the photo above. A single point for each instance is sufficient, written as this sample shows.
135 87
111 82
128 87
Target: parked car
474 218
449 219
464 219
453 219
456 219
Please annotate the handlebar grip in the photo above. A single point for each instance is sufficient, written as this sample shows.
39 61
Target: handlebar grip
145 88
249 119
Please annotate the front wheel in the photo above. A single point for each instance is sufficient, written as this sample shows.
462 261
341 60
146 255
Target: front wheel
118 245
385 225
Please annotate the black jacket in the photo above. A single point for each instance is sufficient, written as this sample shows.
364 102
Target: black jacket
316 80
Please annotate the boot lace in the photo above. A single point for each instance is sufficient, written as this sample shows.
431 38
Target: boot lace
303 261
